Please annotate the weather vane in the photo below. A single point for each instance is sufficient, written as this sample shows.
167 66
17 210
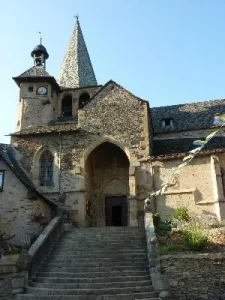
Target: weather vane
40 37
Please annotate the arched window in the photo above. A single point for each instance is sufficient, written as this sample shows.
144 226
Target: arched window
67 106
83 99
46 169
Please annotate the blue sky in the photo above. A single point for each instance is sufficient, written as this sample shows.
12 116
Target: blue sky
164 51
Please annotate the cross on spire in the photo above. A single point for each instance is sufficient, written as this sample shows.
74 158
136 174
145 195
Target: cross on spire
77 18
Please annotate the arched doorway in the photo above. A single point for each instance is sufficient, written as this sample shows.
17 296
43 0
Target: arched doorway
107 186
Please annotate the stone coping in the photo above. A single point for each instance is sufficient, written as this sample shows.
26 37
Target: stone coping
212 256
43 236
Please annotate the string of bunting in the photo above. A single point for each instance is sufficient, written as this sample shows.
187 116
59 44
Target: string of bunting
218 120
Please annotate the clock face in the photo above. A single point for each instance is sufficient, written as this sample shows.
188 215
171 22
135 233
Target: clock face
42 90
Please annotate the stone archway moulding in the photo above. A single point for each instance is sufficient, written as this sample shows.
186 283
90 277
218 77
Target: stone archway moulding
116 179
102 141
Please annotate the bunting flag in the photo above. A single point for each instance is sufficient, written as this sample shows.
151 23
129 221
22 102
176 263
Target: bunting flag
190 156
211 135
199 143
194 151
218 120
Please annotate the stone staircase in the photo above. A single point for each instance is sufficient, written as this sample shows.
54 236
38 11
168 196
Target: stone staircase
107 263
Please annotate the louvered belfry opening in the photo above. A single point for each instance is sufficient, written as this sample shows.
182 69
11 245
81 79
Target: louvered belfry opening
67 106
83 99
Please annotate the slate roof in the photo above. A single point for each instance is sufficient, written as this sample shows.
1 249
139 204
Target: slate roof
7 154
35 71
174 147
47 129
191 116
77 70
37 74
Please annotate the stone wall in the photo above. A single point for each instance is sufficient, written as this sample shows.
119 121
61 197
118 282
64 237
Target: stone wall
34 110
195 276
8 268
19 215
116 113
195 187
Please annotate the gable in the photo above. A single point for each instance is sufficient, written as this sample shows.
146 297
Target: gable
115 112
105 89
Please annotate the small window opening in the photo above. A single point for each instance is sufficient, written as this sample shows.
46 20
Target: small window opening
30 89
1 180
83 99
167 122
67 106
46 169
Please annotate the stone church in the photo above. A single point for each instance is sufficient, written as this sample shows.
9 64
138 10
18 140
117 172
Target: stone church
98 151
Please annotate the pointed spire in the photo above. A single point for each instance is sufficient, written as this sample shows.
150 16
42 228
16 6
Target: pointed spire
77 70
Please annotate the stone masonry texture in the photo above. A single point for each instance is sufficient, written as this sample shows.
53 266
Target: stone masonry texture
195 276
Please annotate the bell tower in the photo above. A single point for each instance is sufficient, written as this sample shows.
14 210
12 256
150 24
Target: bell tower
37 92
40 55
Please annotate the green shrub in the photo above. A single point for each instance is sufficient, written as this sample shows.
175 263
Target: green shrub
195 239
181 214
164 225
170 248
156 219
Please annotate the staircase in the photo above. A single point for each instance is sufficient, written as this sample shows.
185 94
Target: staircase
107 263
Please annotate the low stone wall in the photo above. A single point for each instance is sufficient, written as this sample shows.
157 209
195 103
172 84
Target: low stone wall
7 270
195 276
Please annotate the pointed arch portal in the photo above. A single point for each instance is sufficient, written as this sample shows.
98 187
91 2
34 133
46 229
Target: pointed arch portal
107 180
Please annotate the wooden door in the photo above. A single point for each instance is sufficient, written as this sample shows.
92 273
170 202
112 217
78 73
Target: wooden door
116 211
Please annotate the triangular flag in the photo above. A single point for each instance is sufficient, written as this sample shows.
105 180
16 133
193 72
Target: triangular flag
196 150
199 143
190 156
211 135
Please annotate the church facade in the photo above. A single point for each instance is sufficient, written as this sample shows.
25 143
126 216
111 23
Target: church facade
99 151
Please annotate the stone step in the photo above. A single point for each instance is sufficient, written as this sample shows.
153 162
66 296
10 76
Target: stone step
101 255
94 264
91 238
112 246
103 260
99 251
103 291
134 296
106 244
109 229
89 275
48 279
102 285
91 269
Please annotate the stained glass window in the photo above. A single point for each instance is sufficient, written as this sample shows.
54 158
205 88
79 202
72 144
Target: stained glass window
1 180
46 169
